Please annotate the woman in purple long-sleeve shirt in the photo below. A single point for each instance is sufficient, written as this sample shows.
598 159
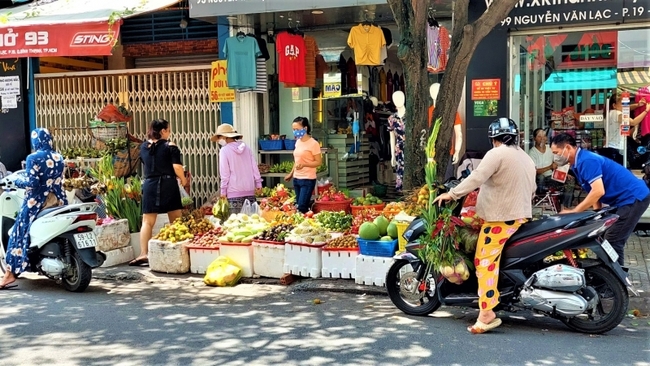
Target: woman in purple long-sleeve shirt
240 177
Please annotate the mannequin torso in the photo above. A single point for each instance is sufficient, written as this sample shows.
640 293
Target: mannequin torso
396 124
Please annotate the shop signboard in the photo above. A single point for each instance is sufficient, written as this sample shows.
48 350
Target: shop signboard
332 85
219 90
486 94
213 8
49 40
551 13
13 143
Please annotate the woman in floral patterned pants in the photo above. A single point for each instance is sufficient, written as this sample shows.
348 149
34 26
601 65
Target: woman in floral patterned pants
44 175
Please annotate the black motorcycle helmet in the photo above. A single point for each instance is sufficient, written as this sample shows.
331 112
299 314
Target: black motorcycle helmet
505 130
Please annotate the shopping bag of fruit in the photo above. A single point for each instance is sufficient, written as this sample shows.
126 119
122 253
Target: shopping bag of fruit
222 272
456 272
221 209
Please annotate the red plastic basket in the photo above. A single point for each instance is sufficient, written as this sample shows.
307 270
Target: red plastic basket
335 206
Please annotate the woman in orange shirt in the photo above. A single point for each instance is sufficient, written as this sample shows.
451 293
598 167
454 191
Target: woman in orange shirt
307 158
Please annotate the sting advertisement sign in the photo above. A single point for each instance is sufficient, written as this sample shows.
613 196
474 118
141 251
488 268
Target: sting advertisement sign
45 40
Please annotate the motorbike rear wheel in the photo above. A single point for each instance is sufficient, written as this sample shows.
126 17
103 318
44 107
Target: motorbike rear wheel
419 303
612 293
79 275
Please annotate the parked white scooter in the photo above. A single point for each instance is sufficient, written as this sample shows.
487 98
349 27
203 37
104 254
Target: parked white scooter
62 240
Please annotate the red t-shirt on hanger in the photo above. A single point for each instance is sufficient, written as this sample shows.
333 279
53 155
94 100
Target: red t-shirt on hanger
291 58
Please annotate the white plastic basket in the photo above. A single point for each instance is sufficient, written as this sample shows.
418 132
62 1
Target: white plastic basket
202 257
241 254
268 258
339 263
303 260
372 270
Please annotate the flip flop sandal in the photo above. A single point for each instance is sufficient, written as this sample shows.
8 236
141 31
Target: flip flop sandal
479 327
139 262
8 287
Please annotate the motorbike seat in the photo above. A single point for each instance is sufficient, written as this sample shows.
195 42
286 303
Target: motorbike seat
555 222
46 211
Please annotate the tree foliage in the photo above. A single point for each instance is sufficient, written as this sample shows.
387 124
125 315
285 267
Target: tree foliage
411 19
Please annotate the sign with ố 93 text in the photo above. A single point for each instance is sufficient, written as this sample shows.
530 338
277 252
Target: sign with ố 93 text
50 40
219 90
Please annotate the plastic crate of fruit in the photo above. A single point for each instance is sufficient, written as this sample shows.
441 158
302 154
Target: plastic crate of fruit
377 248
271 145
289 144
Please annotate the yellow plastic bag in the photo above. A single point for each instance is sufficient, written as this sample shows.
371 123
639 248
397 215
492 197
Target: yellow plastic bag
222 272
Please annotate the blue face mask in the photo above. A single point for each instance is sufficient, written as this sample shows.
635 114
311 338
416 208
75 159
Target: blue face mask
299 133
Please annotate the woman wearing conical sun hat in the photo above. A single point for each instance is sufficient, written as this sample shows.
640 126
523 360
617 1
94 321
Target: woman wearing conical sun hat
240 177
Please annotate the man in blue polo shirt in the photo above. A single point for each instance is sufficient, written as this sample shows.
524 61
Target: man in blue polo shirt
606 182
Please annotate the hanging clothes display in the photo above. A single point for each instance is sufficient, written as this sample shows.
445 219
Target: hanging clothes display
389 84
643 93
438 44
396 85
321 66
352 76
375 83
261 83
382 86
343 68
241 53
396 124
291 58
311 49
366 40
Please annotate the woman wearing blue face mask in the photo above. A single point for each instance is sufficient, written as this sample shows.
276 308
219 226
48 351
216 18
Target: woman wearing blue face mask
307 158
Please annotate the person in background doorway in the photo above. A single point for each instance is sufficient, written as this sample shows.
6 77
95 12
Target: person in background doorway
163 169
605 182
240 176
307 158
543 159
614 119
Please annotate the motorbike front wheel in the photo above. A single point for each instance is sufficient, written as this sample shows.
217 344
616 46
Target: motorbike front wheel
79 275
406 293
613 301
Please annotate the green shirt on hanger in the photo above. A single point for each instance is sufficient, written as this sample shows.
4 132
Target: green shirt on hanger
241 53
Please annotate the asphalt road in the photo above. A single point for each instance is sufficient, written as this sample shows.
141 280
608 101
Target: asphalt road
117 323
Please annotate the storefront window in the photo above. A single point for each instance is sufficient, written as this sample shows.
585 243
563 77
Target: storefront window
561 83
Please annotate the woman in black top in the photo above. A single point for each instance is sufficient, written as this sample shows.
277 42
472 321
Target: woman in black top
160 192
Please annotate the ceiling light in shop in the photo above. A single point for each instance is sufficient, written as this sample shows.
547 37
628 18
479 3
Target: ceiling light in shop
317 12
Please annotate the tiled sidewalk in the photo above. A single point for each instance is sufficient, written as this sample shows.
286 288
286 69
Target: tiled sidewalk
637 258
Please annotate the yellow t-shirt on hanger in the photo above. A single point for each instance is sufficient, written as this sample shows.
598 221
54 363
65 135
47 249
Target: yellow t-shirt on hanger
366 41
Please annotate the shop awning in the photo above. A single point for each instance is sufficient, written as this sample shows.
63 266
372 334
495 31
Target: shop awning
631 81
563 80
67 27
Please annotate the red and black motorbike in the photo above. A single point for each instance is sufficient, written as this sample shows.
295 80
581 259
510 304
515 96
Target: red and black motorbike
588 294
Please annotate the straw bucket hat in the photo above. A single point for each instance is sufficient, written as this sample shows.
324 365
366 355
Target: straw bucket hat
225 130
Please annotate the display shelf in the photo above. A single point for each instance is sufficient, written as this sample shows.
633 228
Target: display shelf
330 159
282 175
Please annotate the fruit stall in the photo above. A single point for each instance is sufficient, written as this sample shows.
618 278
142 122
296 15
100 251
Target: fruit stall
343 237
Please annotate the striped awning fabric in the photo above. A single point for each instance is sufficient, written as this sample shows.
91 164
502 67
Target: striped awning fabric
635 77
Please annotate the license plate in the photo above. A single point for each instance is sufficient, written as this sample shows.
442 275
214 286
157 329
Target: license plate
86 240
609 250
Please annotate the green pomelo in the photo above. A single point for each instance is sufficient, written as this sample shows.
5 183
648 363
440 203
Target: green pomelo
369 231
382 225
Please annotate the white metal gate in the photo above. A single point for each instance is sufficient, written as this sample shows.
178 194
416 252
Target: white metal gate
66 102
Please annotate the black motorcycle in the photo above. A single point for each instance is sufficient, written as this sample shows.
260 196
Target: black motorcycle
588 294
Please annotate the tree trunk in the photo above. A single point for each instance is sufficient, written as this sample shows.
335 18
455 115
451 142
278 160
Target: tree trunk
465 38
411 18
413 54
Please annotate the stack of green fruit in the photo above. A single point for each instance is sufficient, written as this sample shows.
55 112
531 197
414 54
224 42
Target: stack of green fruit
380 229
284 167
338 222
242 228
368 200
308 232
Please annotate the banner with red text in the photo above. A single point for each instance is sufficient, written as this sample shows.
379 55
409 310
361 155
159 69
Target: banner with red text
58 40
